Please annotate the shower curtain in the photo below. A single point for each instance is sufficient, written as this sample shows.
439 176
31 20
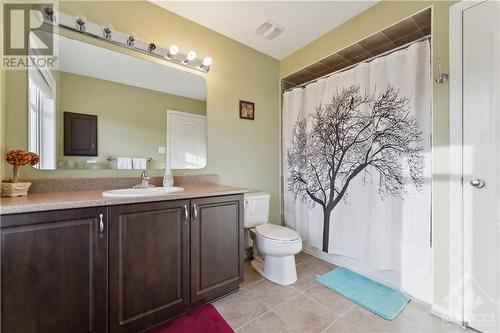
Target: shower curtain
374 225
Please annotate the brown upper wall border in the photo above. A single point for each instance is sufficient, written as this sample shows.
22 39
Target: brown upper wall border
374 41
401 33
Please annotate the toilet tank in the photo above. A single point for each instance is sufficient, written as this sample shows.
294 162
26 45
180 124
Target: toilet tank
256 209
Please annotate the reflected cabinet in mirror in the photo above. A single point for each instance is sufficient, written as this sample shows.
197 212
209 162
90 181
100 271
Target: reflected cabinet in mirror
103 109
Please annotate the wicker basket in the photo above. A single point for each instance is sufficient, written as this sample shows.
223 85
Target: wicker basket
15 189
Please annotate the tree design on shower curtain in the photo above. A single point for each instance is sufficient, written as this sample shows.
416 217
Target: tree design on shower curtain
355 134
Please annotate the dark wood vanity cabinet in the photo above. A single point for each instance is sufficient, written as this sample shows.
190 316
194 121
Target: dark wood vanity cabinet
149 263
54 271
122 268
168 257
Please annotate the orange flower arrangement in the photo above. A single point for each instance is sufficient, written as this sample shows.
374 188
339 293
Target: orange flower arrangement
19 158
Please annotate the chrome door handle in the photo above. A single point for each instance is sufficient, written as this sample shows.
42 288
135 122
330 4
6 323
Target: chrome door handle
478 183
186 214
101 225
195 212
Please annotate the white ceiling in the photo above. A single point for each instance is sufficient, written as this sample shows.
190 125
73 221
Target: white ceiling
90 60
304 21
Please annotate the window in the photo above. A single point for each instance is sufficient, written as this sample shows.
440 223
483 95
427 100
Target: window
42 117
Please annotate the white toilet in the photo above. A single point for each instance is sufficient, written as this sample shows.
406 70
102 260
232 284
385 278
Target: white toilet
274 246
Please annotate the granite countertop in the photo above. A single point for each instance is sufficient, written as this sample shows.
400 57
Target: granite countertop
37 202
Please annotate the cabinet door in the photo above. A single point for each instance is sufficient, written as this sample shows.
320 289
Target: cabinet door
54 271
80 134
149 263
216 246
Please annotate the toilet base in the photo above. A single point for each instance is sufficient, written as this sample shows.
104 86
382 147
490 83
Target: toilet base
280 270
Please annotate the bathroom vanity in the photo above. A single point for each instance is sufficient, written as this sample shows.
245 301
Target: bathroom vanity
100 264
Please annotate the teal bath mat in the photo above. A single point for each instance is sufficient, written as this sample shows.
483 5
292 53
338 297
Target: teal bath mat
379 299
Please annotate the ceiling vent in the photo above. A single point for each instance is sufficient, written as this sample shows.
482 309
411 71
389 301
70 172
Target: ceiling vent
269 30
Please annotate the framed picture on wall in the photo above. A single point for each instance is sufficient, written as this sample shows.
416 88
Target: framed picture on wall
247 110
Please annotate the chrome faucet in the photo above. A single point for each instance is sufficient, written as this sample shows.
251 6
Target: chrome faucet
144 180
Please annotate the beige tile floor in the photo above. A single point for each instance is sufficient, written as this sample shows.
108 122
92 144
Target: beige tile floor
306 306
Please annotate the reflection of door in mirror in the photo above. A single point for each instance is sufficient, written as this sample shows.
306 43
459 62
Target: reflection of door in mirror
42 117
186 140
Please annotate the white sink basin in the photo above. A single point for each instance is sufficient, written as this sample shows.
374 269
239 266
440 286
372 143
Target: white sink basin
141 192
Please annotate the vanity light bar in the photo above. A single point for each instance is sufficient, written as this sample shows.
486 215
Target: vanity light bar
108 34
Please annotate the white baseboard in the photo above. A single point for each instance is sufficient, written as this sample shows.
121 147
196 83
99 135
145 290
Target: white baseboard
445 314
347 263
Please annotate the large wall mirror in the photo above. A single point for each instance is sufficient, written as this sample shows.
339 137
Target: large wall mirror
103 109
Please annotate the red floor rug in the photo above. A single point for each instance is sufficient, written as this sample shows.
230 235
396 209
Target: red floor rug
204 320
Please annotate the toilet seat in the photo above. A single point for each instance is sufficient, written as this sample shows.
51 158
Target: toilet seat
277 233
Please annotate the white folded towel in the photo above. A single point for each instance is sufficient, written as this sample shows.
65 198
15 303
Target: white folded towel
124 163
139 163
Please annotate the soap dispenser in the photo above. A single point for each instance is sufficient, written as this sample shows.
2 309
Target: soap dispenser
168 178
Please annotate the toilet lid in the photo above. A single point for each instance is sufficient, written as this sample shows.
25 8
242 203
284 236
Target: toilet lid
277 232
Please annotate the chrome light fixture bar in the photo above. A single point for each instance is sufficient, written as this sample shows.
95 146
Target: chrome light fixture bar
106 33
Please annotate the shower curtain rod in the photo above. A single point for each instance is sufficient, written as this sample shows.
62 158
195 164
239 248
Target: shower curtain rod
367 60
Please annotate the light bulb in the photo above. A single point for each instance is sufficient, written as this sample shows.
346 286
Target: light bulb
173 50
190 56
207 61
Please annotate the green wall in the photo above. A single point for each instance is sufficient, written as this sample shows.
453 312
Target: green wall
242 152
370 21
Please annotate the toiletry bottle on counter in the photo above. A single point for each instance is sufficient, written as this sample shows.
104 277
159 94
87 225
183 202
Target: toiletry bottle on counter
168 179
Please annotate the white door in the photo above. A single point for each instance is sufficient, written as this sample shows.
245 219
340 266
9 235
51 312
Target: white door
186 140
481 165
